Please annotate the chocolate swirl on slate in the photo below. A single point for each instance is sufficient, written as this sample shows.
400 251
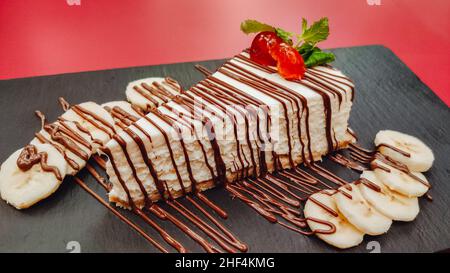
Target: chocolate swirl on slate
30 157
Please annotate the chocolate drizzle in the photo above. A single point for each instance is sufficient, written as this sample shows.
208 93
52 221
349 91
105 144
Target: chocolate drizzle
347 162
158 93
121 217
30 157
369 157
394 149
276 196
270 195
222 240
69 139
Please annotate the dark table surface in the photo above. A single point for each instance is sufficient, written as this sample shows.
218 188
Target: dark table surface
388 96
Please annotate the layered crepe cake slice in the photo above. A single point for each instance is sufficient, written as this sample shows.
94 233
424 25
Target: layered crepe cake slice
242 120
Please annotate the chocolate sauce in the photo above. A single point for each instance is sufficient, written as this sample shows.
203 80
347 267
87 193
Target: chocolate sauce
394 149
64 104
84 113
369 184
74 135
56 134
41 116
210 231
352 133
203 70
367 156
210 204
217 87
153 208
275 196
200 91
155 92
166 139
61 133
183 146
100 179
188 121
123 145
146 95
160 186
30 157
121 217
71 162
311 84
291 95
346 162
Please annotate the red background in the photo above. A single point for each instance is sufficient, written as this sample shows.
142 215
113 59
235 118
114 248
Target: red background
51 37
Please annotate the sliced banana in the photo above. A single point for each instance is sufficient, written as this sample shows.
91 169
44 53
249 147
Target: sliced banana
345 236
399 181
420 157
123 106
81 141
359 212
151 92
22 189
99 122
390 203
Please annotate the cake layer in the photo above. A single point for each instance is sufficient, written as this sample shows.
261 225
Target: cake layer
240 121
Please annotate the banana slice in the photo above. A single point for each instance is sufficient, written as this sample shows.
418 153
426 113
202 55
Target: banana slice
151 92
359 212
345 236
390 203
420 157
124 105
399 181
80 142
115 108
95 119
21 188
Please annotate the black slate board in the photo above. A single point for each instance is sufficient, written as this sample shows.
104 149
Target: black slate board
388 95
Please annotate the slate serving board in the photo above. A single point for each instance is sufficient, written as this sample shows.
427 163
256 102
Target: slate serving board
388 96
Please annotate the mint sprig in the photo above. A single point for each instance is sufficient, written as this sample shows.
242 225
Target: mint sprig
317 32
306 41
284 35
253 26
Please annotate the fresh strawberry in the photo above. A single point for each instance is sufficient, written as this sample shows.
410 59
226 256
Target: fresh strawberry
290 63
263 43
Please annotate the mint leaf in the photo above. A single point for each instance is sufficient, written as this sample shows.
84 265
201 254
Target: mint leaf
253 26
306 41
304 25
313 55
317 32
306 49
318 57
284 35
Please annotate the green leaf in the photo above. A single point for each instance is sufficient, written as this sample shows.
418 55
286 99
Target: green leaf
284 35
317 32
318 57
306 49
304 25
253 26
313 55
